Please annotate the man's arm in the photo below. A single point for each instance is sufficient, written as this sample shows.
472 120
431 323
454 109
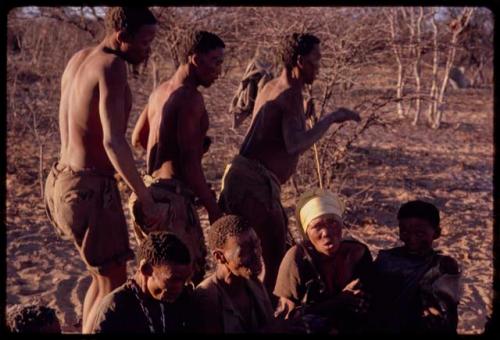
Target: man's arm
141 130
190 138
298 139
112 87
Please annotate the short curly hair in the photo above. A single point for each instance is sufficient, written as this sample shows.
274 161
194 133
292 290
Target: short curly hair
161 247
195 41
420 209
128 19
296 44
30 319
225 227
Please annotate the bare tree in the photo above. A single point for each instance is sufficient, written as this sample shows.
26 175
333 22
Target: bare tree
456 26
416 64
392 15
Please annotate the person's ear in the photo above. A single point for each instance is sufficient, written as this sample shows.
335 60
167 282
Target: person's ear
300 61
219 256
145 268
123 37
194 59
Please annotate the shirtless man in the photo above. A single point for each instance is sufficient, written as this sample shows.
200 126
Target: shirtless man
271 149
172 129
81 194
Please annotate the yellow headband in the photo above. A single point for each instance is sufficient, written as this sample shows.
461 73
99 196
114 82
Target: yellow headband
315 203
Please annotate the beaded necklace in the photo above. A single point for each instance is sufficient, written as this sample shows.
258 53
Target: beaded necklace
135 289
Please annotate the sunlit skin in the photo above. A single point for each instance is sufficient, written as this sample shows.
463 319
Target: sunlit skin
136 48
325 233
241 256
209 66
173 125
277 136
311 65
417 235
163 282
93 116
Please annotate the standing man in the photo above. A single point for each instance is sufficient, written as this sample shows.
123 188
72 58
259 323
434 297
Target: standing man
81 193
172 128
269 154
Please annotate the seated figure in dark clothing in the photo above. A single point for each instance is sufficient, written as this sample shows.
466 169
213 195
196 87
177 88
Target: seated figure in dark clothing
156 299
233 299
415 289
320 280
33 318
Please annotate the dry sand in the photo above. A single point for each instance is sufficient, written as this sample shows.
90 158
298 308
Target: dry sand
451 167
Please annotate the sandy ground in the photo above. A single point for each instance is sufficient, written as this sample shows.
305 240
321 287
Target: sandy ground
453 167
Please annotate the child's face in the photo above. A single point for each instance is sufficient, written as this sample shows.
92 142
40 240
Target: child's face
417 234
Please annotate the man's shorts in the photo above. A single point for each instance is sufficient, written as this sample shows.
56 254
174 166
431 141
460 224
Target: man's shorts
182 218
85 207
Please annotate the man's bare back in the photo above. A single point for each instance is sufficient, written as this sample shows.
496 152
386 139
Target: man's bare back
165 105
272 146
81 194
172 128
80 123
265 141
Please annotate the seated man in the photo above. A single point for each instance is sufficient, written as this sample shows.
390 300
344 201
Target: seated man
232 299
32 319
156 299
415 289
319 280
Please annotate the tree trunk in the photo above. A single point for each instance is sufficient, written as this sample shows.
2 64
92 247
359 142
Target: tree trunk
397 54
433 93
456 29
416 66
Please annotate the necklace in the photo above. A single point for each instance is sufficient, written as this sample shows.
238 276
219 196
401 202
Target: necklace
145 310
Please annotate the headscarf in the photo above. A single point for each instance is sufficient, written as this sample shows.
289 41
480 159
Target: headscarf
315 203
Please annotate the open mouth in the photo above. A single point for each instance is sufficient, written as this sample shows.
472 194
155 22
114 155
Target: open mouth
329 245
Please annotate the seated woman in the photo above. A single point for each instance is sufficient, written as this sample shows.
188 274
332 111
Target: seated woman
319 280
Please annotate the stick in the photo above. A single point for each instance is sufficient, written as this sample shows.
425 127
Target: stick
315 148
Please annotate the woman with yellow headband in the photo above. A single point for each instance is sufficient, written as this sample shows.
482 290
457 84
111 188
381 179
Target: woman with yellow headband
319 279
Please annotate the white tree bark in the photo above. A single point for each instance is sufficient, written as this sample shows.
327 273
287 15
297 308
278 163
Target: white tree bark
391 16
416 65
433 93
457 27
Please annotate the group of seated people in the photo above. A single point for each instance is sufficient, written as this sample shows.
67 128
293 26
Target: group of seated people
326 284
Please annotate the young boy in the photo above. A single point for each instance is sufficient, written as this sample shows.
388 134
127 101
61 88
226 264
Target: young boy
415 289
156 299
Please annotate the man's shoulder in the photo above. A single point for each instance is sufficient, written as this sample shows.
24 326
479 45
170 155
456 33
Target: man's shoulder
84 52
276 93
206 293
116 297
187 98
